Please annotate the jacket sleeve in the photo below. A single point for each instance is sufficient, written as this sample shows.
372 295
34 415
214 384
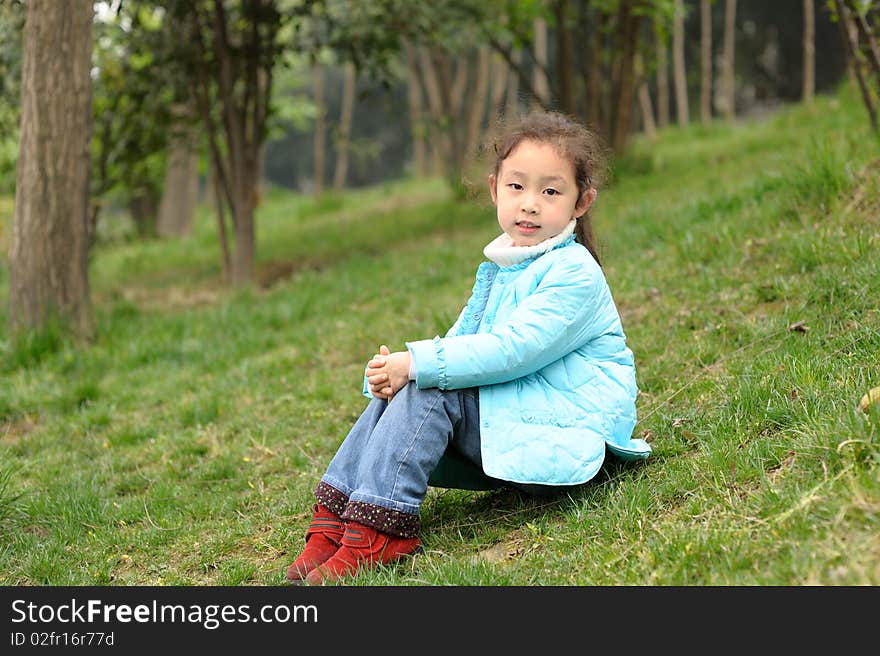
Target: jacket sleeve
558 317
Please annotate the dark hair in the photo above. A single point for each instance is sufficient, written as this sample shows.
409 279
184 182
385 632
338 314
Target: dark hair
575 142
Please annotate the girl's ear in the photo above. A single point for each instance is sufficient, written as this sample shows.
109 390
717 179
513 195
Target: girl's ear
493 188
584 202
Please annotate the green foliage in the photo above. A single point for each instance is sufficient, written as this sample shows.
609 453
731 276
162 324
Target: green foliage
133 101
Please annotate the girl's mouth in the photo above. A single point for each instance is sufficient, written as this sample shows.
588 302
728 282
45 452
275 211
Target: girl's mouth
526 228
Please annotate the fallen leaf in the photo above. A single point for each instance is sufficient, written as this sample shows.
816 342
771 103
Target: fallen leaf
678 421
872 397
648 436
793 394
689 436
496 553
799 327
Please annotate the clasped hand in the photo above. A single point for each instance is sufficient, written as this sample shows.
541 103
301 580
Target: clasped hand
388 372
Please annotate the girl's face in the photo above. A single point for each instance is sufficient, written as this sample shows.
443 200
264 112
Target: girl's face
535 193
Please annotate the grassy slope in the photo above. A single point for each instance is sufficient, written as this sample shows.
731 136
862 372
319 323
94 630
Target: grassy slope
182 446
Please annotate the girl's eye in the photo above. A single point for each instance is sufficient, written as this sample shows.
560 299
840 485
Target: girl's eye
551 192
515 185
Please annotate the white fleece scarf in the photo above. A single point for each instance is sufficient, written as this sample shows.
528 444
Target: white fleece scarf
503 253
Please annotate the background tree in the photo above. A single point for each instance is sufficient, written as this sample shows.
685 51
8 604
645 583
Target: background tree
343 133
679 70
728 60
660 35
859 24
705 61
320 130
231 58
809 77
139 112
48 263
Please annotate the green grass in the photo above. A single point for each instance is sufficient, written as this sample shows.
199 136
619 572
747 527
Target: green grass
182 445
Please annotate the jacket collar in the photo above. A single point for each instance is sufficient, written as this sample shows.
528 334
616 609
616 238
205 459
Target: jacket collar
503 253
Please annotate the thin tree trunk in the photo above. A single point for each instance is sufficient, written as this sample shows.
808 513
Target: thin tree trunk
343 143
477 106
48 263
500 77
416 110
630 28
180 188
459 82
662 80
540 83
728 58
512 105
320 138
871 50
809 82
453 81
439 137
853 47
648 123
678 66
216 186
706 62
565 68
594 84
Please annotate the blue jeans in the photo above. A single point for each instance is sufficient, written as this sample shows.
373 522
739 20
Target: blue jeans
379 475
390 452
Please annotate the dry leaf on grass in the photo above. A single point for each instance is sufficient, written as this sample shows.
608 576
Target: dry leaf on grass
869 399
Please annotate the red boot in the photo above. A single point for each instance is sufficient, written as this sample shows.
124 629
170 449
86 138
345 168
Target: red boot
362 546
323 538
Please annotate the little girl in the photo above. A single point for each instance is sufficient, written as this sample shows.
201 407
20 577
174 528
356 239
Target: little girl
528 387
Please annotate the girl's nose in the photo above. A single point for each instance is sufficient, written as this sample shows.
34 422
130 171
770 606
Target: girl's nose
529 206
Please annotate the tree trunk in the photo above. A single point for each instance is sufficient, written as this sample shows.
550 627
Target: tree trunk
416 111
500 75
477 105
662 81
320 139
440 147
706 62
540 83
232 91
594 84
512 106
180 188
143 205
344 141
728 58
564 60
630 23
648 123
809 85
48 263
869 47
678 66
851 37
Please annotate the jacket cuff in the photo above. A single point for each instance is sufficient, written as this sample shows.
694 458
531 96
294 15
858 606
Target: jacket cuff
427 362
366 392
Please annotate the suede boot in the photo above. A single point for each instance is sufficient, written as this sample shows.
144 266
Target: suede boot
323 538
362 547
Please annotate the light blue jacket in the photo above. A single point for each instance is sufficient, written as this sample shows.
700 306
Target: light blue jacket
543 341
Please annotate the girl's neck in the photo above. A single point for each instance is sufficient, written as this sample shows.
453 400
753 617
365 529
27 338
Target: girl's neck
503 253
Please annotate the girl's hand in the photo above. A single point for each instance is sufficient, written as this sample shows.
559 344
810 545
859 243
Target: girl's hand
388 372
